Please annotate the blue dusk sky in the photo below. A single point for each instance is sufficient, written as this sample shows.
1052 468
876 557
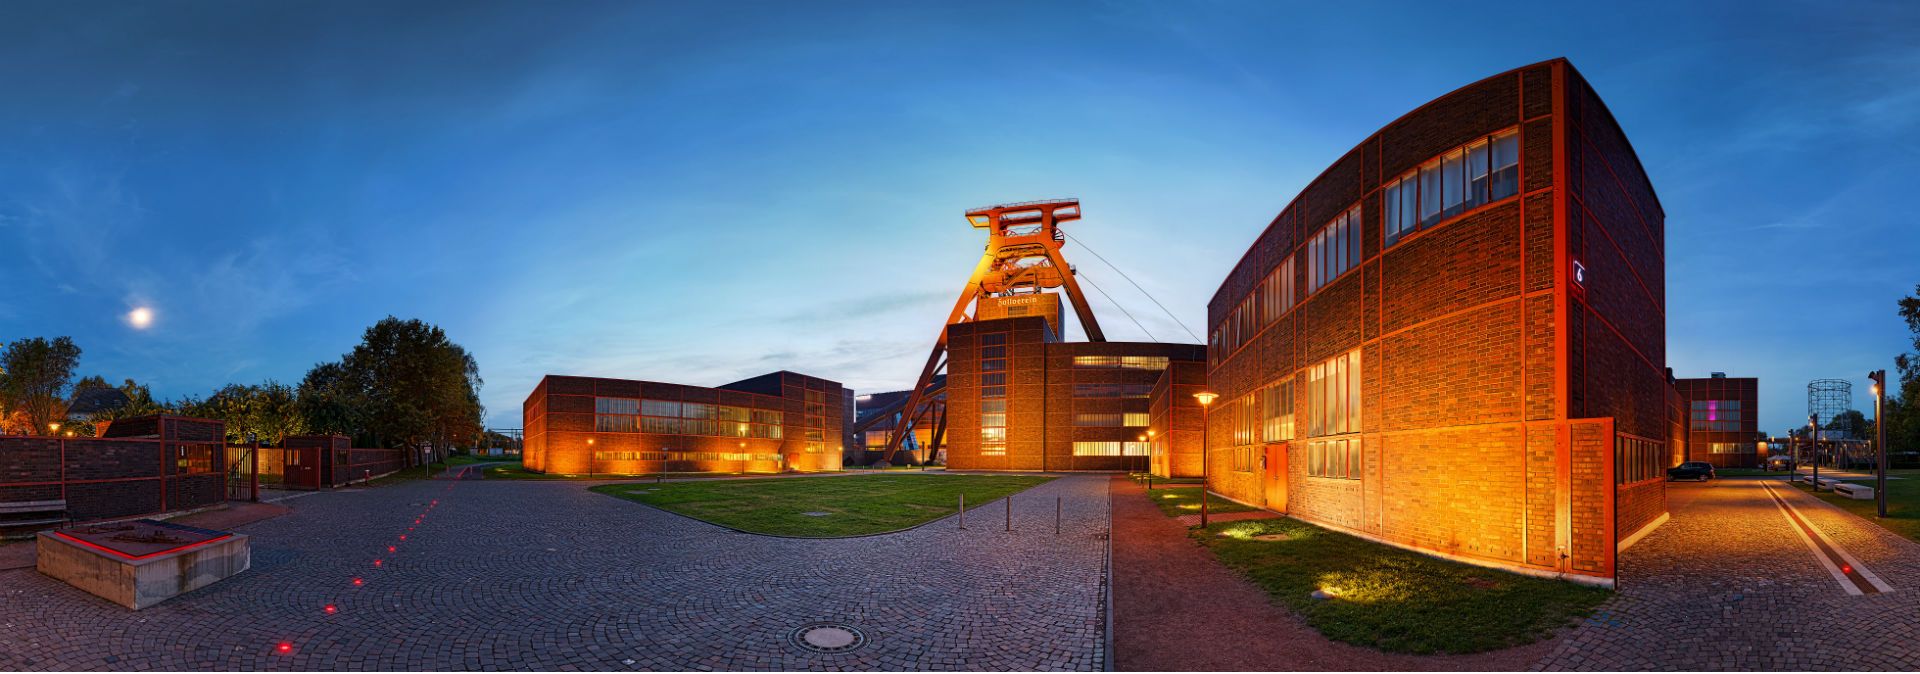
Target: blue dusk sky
705 191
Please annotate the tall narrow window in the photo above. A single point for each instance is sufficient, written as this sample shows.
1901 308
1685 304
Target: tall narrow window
1506 165
1453 184
1476 174
1333 395
1430 193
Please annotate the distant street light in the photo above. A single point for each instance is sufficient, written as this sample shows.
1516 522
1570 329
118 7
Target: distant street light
1206 399
1879 378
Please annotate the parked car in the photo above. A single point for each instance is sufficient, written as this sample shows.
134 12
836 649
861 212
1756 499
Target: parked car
1691 470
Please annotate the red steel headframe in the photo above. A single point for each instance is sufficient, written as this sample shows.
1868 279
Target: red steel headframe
1022 256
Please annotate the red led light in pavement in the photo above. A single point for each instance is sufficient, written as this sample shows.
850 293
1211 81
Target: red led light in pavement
284 647
1845 568
391 548
356 582
404 536
330 609
376 562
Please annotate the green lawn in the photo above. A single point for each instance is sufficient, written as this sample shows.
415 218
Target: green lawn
852 505
1177 501
515 471
1392 599
1903 503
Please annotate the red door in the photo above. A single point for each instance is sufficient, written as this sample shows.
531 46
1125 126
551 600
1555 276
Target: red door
1274 477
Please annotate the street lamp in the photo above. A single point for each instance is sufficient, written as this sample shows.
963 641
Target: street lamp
1150 452
1879 378
1813 424
1206 399
53 428
589 458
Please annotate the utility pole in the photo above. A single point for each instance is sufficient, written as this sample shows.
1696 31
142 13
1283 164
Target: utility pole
1879 378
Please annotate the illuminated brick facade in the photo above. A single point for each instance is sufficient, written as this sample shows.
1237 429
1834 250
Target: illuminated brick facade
1454 338
1722 420
1018 400
772 423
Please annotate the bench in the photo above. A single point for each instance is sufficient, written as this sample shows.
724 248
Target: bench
1858 492
32 513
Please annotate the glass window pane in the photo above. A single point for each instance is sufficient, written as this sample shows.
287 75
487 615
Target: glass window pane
1476 174
1430 192
1453 181
1506 165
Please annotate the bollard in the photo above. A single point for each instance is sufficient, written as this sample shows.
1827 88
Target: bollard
368 479
1056 515
1009 512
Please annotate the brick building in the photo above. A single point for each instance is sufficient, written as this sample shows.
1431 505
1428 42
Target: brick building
1722 420
1453 339
771 423
1020 399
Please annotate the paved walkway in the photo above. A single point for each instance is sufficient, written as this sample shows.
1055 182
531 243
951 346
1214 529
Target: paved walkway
1729 584
526 574
1178 609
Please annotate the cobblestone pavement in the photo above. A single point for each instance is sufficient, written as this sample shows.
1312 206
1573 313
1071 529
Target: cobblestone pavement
520 574
1727 585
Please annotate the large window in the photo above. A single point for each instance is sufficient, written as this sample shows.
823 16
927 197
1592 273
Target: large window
1112 419
1717 415
1483 171
1334 250
1333 395
1109 449
993 394
672 417
1112 390
1276 412
1268 301
1732 447
1245 415
1122 362
1636 459
1334 458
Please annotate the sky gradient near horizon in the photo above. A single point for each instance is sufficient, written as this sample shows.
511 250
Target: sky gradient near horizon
702 192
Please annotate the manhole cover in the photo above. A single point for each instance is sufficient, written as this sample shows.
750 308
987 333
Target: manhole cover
828 638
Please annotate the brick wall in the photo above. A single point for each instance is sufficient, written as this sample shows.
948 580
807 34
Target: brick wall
109 478
1491 384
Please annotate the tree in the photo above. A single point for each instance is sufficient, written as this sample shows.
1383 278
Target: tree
1850 423
34 374
406 384
1903 406
268 411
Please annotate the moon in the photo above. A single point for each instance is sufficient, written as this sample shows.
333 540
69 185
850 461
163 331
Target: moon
140 318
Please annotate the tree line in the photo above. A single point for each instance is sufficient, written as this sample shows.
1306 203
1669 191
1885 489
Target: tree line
406 384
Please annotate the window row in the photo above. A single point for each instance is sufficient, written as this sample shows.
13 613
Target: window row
1333 395
1334 249
621 423
1110 449
1112 390
1717 426
1334 458
1636 459
1122 362
1265 415
1732 447
1271 298
685 410
1481 172
1128 419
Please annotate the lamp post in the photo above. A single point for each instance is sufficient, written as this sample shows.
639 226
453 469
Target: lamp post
1813 424
589 458
1879 378
1150 453
1206 399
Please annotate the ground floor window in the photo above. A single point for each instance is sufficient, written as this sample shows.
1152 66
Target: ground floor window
1636 459
1731 448
1334 458
1245 458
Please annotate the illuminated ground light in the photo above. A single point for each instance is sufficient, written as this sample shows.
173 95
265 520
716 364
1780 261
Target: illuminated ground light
357 582
140 318
331 609
391 548
377 562
284 648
